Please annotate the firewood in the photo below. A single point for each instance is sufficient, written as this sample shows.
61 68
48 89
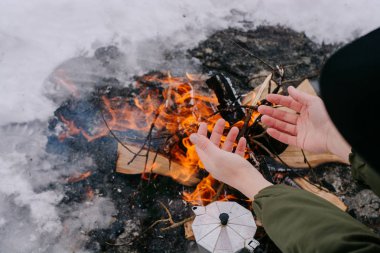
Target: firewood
293 157
321 192
260 92
229 106
161 166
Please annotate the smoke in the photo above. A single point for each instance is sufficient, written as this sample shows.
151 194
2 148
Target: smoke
38 37
29 218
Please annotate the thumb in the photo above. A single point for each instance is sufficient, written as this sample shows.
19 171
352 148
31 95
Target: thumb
299 96
203 143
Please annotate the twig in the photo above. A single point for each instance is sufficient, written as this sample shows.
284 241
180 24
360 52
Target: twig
218 192
245 125
265 148
251 54
147 152
153 162
115 137
177 224
116 244
141 148
305 159
259 135
167 211
293 171
169 219
255 77
312 75
311 171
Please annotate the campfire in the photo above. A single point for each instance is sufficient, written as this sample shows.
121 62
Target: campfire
153 128
153 121
138 136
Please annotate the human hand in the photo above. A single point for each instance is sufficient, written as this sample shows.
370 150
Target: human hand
308 127
222 164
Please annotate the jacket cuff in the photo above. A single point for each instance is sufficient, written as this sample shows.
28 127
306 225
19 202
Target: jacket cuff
364 173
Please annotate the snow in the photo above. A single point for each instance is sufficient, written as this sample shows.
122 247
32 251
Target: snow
38 35
35 36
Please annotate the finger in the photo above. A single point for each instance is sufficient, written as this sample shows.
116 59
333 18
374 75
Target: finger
240 149
202 130
283 137
286 101
279 125
205 148
299 96
217 132
230 139
278 114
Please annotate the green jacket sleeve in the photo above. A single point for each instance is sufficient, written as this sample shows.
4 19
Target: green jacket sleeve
362 172
299 221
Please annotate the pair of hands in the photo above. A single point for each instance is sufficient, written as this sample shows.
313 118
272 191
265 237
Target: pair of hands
308 127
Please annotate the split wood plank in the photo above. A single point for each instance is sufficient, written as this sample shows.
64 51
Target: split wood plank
323 193
293 157
161 165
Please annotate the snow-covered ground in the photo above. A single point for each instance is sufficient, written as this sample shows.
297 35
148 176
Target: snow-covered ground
37 35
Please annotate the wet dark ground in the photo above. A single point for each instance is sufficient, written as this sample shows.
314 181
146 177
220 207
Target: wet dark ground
137 201
230 51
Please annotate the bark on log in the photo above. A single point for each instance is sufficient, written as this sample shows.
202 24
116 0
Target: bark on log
161 165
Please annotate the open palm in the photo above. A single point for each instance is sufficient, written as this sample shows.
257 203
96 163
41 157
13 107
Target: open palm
308 126
225 165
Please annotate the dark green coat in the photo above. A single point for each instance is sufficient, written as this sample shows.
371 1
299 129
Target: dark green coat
299 221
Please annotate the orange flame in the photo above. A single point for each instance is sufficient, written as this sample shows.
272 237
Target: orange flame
205 193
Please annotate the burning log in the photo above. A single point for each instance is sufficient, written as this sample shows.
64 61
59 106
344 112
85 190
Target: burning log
229 106
161 165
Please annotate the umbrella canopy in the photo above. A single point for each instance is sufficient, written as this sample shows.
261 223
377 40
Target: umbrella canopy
224 227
